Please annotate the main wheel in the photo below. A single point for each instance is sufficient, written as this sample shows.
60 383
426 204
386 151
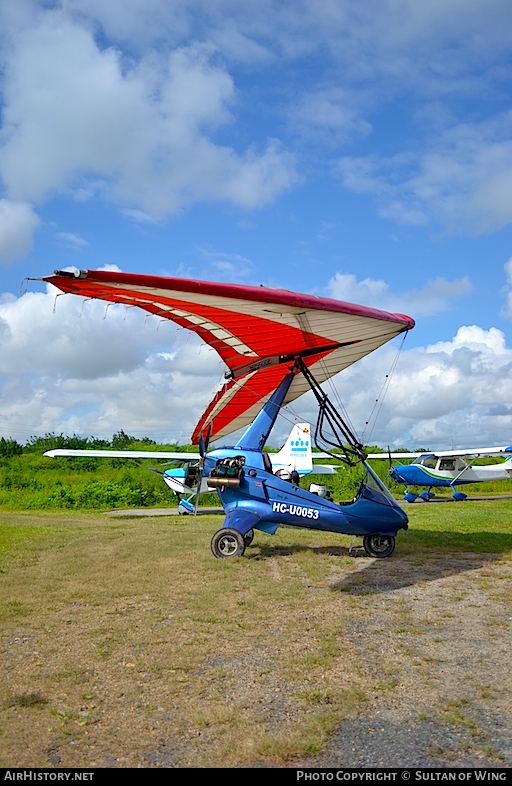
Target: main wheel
249 537
228 543
379 545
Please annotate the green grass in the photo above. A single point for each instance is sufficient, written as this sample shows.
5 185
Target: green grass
127 610
14 536
31 481
482 526
134 618
38 483
130 632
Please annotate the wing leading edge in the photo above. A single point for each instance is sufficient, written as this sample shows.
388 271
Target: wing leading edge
446 453
126 454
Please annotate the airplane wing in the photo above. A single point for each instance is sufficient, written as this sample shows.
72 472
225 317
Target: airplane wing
446 453
399 455
128 454
325 469
258 332
158 454
473 452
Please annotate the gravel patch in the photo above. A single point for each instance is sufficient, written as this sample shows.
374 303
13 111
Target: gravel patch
437 648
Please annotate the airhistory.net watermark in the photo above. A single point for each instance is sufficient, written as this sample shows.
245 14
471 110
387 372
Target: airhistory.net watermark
47 775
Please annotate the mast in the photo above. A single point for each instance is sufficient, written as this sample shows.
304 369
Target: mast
259 430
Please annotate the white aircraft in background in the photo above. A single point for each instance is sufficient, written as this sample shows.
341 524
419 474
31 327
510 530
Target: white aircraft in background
446 468
295 457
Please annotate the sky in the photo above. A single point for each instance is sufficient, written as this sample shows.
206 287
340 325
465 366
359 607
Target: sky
354 150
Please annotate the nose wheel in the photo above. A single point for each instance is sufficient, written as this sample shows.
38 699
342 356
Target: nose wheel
228 543
379 545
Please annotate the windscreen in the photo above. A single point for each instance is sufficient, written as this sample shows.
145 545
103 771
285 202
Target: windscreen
374 482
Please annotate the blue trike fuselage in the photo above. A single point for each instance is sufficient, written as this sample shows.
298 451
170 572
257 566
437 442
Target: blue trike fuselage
263 501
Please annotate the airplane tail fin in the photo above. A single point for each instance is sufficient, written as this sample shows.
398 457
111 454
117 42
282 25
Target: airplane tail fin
296 453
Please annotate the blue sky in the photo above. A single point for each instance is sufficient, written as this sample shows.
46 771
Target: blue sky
361 151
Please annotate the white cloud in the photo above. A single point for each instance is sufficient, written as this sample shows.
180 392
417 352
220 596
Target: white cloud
390 28
71 240
489 342
436 296
92 370
507 309
461 177
455 392
139 216
17 225
447 392
81 118
329 116
138 120
226 267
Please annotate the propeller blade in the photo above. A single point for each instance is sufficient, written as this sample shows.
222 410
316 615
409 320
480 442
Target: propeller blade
391 463
203 448
390 470
207 440
196 503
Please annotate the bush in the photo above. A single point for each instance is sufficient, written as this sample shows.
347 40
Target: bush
9 447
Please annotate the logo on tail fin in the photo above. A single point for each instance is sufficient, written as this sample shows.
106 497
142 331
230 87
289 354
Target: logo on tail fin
296 454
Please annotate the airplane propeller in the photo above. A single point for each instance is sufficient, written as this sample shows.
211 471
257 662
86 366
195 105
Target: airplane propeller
203 449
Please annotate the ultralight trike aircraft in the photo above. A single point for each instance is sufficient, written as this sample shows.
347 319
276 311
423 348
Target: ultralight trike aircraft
276 345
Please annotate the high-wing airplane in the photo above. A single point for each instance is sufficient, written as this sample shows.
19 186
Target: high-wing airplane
295 456
276 346
446 469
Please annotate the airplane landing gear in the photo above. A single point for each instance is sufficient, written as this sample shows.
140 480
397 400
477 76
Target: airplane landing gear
228 543
426 496
459 496
379 545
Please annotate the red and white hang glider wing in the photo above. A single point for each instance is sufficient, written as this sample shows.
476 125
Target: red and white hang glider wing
255 330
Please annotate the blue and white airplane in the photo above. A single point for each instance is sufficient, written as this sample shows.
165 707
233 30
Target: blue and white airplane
446 469
295 456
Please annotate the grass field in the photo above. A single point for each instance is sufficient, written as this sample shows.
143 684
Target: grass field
125 643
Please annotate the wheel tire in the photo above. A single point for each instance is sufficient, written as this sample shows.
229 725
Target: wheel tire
379 546
228 543
249 537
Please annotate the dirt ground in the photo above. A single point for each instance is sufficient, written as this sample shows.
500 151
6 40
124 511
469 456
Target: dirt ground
447 666
423 659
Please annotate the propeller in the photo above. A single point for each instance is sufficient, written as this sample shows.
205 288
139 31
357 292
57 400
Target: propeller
390 470
203 449
389 458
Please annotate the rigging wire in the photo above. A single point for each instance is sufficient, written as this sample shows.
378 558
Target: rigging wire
383 392
337 398
322 363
